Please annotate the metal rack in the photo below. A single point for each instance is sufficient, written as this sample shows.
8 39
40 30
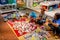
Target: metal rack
7 8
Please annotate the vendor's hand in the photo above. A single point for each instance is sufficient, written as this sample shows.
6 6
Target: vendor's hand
46 23
50 21
47 20
47 26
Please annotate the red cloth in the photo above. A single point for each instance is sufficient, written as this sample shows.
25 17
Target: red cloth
16 31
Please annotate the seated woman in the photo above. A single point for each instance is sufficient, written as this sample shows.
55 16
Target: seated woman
55 24
44 16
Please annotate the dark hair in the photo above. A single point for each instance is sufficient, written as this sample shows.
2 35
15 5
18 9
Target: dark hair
57 15
42 9
40 16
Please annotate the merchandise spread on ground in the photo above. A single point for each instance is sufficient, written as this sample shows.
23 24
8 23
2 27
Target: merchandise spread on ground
22 27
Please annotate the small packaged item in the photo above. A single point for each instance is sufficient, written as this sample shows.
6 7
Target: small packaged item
59 6
38 30
20 32
37 38
13 15
3 8
35 4
48 35
9 15
14 1
5 19
3 2
10 1
33 38
55 6
10 7
50 8
44 38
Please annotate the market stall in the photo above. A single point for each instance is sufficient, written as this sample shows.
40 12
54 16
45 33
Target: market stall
20 22
28 31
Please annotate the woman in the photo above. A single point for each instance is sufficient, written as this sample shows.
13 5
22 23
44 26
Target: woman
55 23
44 16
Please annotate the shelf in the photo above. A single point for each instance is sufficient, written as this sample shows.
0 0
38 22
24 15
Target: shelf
7 4
48 13
52 13
35 1
37 8
49 3
4 12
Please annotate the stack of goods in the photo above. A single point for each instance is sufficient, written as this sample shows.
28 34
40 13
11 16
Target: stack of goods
50 8
43 35
50 5
3 1
5 17
11 1
22 27
14 1
35 4
55 6
7 2
10 16
20 3
13 15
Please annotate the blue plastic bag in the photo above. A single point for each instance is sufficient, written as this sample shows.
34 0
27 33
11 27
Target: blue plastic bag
33 14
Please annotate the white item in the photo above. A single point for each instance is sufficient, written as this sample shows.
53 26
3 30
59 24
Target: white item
49 3
52 13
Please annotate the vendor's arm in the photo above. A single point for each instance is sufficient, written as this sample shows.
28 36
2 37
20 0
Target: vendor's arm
55 24
47 26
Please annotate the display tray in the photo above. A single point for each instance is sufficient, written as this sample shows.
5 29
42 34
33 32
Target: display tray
21 27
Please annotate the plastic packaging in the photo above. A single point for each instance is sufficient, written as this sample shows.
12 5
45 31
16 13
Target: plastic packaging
55 6
10 1
3 2
50 8
44 38
14 1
